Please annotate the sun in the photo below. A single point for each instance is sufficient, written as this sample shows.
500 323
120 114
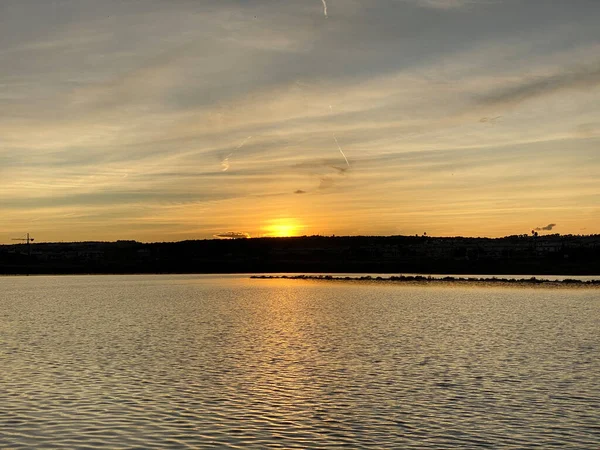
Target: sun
282 228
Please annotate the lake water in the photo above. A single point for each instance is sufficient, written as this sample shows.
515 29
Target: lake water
228 362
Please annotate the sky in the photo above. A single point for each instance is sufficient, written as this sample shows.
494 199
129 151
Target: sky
160 120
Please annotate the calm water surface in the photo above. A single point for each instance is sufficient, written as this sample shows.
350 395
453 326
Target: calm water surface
229 362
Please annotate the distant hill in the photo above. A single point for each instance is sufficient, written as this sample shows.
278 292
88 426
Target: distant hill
521 254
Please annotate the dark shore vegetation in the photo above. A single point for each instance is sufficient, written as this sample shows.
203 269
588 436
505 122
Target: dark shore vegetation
413 279
518 255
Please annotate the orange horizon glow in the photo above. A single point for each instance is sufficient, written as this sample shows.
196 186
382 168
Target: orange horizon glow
282 228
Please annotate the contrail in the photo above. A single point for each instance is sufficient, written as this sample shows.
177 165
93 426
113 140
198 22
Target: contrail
340 149
335 139
325 8
243 143
225 162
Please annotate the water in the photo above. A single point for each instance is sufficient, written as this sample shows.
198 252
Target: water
229 362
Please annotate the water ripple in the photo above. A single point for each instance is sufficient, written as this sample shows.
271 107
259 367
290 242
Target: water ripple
207 362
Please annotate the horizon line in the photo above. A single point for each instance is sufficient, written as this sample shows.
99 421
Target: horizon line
520 236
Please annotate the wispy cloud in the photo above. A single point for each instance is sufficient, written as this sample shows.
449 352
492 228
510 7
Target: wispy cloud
490 120
445 4
326 183
583 77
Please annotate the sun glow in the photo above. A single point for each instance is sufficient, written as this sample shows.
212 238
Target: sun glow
282 228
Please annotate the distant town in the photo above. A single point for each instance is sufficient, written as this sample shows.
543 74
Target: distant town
552 254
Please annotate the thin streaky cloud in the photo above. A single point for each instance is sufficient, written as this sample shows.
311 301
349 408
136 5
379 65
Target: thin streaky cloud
445 4
576 78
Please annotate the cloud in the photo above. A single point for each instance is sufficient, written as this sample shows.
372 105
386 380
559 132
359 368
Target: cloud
341 170
548 227
316 163
299 191
326 183
580 78
232 235
444 4
111 196
491 120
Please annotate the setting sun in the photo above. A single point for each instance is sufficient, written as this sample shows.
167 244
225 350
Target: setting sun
282 228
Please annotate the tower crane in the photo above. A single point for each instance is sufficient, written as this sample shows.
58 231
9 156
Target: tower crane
28 240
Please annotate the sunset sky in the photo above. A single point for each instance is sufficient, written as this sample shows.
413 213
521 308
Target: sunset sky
160 120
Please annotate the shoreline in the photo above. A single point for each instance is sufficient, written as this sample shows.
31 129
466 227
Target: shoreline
429 280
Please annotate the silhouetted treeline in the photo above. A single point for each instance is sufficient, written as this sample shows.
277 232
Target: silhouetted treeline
551 254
